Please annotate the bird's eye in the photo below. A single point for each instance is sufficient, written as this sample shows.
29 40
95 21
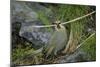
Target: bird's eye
59 23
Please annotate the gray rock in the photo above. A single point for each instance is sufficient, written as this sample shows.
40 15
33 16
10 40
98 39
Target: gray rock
24 13
78 56
38 36
20 11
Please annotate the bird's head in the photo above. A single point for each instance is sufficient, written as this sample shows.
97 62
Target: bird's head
58 25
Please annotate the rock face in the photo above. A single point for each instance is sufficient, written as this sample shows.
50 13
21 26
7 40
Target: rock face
78 56
27 16
20 12
38 36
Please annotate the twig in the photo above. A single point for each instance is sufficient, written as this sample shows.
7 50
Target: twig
79 17
42 26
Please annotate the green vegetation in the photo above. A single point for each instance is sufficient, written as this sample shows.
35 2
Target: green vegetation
89 46
44 19
69 12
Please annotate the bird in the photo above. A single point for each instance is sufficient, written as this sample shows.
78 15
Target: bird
57 41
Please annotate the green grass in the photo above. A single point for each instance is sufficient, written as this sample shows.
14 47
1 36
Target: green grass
44 19
89 46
